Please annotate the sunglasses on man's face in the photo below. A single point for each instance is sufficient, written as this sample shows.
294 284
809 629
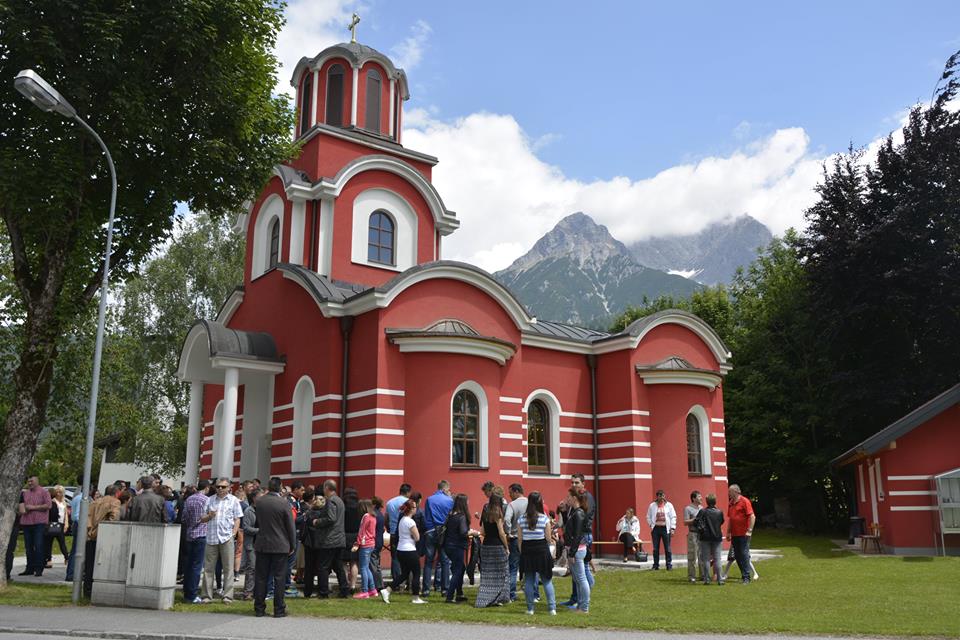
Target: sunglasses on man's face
222 486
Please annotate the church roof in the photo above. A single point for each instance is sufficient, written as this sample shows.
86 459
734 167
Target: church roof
356 54
225 341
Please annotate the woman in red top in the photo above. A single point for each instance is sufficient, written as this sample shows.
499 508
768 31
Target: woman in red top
366 539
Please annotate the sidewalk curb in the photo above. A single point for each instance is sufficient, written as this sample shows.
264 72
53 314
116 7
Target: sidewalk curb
110 635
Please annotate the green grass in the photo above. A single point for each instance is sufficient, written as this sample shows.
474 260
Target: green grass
812 589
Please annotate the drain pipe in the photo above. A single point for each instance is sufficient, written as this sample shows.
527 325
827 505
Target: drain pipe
346 324
592 363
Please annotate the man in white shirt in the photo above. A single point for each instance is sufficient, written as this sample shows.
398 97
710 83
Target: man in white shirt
662 520
222 515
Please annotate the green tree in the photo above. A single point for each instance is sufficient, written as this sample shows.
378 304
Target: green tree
883 255
713 305
778 441
181 93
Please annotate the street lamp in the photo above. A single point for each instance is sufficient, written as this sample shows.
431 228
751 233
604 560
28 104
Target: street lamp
45 97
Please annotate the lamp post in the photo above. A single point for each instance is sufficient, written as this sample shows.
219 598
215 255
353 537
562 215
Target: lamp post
46 98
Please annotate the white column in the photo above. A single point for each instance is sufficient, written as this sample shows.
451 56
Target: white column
392 90
353 102
228 430
298 218
316 94
193 433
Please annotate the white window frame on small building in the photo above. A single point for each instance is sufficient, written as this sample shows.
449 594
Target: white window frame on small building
483 425
706 460
301 452
404 218
271 209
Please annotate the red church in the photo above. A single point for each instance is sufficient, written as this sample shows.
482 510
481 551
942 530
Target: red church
352 350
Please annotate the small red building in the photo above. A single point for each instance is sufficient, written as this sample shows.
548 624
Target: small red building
353 350
907 479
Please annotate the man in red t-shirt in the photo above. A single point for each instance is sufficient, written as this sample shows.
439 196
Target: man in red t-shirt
741 520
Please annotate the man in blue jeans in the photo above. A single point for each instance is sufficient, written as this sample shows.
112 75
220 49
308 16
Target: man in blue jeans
435 514
193 510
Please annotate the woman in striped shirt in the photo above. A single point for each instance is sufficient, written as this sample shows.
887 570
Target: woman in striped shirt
535 535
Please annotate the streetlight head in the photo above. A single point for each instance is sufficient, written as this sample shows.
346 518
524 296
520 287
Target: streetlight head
40 93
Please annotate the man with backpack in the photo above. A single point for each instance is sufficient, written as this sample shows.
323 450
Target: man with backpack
436 510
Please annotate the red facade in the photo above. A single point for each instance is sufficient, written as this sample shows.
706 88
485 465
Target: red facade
420 330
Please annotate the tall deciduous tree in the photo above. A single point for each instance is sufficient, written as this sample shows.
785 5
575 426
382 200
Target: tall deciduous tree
181 93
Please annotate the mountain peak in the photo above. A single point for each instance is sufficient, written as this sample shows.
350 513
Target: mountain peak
578 237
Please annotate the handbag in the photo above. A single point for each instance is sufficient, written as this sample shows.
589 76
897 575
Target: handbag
54 529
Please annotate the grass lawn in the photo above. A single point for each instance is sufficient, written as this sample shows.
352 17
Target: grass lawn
811 590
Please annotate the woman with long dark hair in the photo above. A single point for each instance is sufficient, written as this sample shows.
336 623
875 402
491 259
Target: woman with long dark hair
408 535
455 544
494 555
535 535
575 538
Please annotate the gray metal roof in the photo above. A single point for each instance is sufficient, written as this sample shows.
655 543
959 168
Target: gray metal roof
566 331
448 327
323 289
671 363
357 54
901 427
239 344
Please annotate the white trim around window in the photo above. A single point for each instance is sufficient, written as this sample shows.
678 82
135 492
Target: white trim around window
553 437
483 422
404 233
272 208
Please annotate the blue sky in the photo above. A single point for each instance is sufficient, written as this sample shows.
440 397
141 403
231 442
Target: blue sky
654 119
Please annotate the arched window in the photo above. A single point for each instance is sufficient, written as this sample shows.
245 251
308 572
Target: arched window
465 428
274 256
335 96
538 421
694 446
306 102
372 121
302 426
380 238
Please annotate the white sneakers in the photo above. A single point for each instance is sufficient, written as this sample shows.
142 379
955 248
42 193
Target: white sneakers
417 600
385 594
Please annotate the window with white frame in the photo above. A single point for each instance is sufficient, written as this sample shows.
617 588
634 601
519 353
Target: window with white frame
469 426
538 428
698 442
302 449
384 231
267 236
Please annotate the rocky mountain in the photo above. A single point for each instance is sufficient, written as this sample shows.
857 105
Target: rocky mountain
710 256
579 273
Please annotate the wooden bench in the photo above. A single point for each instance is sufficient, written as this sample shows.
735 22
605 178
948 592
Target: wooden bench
874 537
638 544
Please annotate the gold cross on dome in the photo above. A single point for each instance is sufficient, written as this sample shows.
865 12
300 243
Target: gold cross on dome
353 27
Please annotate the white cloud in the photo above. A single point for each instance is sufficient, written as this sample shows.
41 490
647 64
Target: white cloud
408 53
312 26
506 197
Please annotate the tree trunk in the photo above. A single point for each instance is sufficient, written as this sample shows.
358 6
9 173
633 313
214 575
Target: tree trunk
28 411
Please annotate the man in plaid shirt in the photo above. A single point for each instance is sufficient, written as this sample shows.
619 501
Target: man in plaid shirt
193 509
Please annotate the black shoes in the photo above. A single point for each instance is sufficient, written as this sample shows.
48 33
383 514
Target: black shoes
282 614
26 573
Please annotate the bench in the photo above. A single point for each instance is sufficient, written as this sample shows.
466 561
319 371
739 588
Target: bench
638 544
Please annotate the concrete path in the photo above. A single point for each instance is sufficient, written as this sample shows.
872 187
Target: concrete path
20 623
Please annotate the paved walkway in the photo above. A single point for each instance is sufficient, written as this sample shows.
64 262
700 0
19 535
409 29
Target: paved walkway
17 623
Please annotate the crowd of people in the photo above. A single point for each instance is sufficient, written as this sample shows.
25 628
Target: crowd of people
276 537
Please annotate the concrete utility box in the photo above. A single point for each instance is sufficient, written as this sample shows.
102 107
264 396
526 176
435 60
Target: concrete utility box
136 565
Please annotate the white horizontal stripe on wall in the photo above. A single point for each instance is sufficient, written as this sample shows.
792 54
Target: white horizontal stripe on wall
628 412
326 416
375 392
571 414
576 461
329 396
511 472
932 507
380 411
325 454
718 434
617 460
723 478
574 430
720 464
207 438
574 445
720 449
510 400
374 472
911 493
510 454
283 407
890 478
511 418
717 420
379 432
208 424
617 445
632 427
511 436
285 423
316 436
628 476
374 452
